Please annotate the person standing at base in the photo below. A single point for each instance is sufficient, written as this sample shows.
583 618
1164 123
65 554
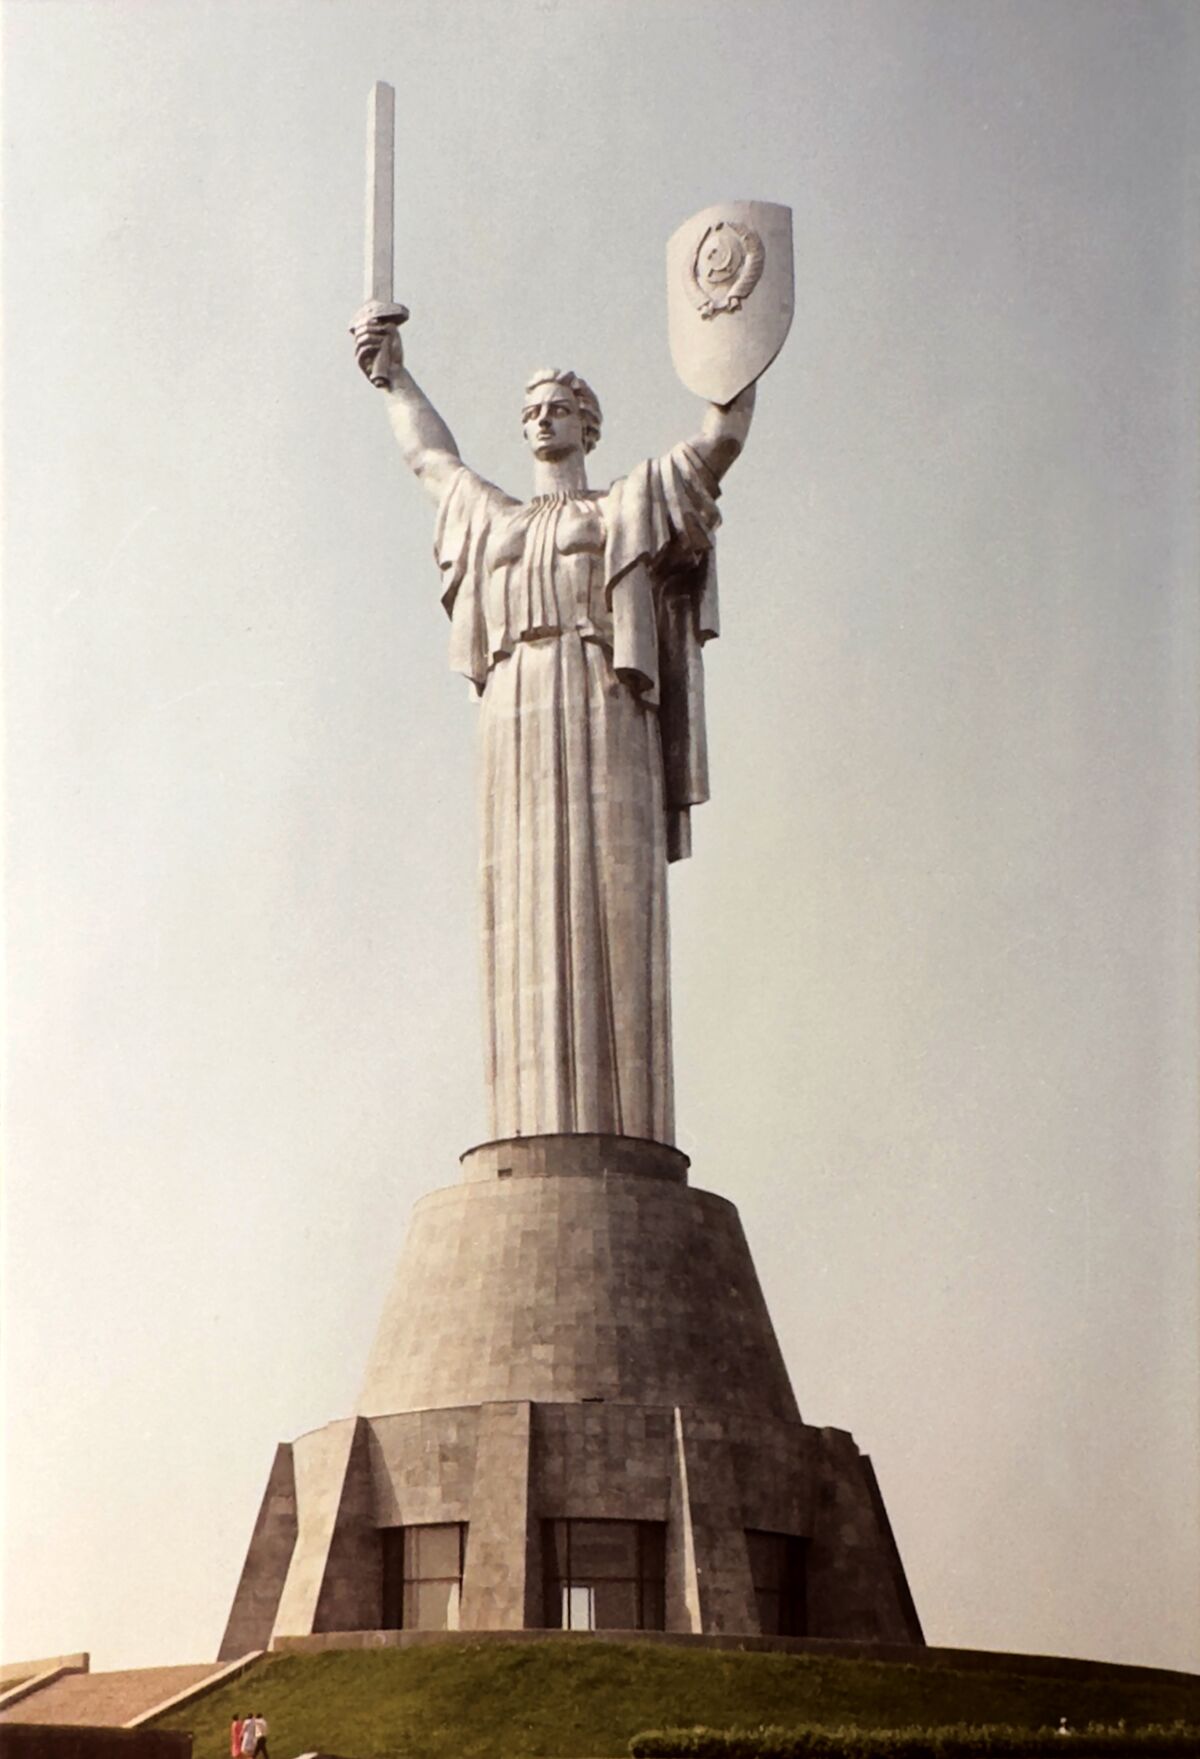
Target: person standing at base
235 1737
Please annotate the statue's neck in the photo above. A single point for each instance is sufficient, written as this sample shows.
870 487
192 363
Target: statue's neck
560 476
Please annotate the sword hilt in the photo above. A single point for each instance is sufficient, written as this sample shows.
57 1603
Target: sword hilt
381 312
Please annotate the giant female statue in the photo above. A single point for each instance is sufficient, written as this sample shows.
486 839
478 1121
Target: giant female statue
579 616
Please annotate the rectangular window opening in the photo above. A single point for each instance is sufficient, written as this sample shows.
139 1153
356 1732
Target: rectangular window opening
605 1575
422 1576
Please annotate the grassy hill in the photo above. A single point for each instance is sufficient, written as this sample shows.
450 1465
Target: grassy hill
584 1700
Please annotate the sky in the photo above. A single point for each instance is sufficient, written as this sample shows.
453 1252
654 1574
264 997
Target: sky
935 955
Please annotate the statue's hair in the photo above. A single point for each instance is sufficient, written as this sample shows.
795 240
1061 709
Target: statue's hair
585 397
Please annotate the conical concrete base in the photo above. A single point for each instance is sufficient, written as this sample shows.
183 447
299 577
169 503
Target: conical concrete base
575 1335
566 1268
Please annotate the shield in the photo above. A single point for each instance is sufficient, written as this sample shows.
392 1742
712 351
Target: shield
729 295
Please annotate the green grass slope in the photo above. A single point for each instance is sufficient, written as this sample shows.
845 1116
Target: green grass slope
585 1700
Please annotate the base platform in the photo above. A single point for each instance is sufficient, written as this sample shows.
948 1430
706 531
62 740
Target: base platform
575 1415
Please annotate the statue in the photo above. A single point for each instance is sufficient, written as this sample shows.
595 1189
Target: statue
579 616
576 1338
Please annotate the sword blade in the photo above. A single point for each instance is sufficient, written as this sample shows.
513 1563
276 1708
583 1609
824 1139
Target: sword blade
381 200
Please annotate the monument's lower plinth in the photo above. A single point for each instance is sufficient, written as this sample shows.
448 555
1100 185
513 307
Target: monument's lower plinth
575 1414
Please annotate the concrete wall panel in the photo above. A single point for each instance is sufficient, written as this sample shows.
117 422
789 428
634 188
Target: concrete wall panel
575 1333
256 1602
600 1285
502 1577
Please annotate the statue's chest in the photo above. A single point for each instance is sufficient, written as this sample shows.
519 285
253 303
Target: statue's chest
544 569
544 531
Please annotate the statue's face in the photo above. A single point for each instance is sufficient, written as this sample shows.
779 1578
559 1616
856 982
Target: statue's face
551 422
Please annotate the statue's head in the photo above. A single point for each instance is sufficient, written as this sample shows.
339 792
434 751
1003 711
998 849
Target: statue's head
560 414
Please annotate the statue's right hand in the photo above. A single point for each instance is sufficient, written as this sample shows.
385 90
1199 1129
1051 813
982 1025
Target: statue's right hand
377 347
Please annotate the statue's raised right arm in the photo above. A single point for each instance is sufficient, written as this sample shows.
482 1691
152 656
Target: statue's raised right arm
426 443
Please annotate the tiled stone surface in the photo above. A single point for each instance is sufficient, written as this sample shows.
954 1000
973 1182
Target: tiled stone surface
775 1468
552 1289
710 1528
606 1462
334 1582
576 1332
506 1467
856 1584
423 1466
319 1461
502 1586
256 1602
889 1553
352 1588
580 1156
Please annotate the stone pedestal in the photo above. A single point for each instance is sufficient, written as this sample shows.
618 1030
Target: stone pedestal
574 1334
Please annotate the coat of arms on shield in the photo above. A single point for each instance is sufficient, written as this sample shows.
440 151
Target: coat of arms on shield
729 295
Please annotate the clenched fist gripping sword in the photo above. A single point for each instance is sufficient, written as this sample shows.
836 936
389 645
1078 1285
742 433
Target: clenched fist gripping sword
380 317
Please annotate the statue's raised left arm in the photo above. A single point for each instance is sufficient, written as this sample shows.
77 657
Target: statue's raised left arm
723 431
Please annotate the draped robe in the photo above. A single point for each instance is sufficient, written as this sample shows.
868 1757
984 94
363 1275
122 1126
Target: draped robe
580 619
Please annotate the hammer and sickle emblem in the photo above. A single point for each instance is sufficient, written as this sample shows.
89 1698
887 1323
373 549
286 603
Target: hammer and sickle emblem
724 268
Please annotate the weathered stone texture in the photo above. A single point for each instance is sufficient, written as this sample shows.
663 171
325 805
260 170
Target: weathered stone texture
709 1509
855 1580
423 1466
502 1586
256 1602
554 1289
581 1156
352 1588
335 1579
609 1462
571 1338
775 1468
504 1468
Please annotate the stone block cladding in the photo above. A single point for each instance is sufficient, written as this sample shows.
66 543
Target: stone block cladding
594 1283
574 1334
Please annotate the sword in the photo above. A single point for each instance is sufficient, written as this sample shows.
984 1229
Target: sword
381 203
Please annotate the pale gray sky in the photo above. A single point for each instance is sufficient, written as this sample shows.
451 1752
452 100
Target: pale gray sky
935 957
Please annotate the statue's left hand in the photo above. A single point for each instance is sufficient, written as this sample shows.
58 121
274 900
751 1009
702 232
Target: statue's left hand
724 430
